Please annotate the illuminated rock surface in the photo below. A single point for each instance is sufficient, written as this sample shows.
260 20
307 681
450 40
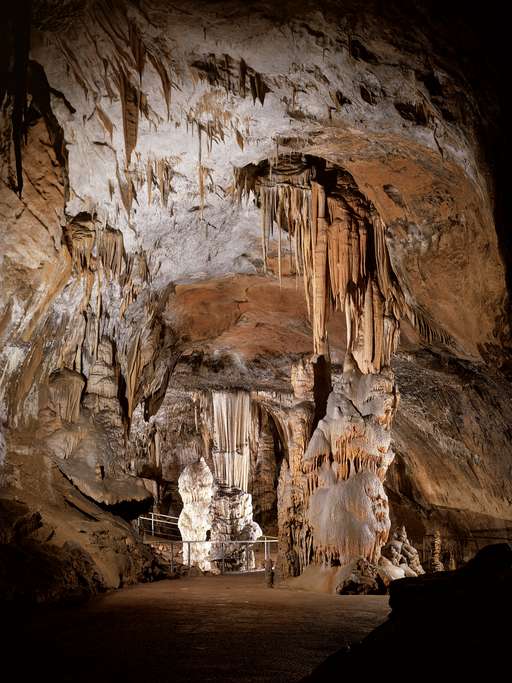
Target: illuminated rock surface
269 239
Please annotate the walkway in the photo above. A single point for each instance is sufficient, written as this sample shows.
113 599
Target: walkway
226 628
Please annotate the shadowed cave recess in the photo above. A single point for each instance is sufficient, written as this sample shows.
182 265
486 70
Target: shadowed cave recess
255 261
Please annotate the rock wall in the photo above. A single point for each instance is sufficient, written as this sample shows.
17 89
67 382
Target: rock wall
452 426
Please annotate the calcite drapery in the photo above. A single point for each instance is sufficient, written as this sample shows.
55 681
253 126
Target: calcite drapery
231 435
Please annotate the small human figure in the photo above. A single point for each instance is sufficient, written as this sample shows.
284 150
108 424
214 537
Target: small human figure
269 573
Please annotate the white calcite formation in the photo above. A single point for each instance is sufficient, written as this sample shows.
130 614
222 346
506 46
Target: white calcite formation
212 518
232 520
346 462
348 518
401 554
196 489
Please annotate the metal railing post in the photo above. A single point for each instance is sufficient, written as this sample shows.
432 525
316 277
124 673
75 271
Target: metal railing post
152 524
172 557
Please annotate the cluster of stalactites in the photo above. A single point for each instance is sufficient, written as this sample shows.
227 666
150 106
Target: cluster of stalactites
345 550
66 389
232 423
341 253
345 462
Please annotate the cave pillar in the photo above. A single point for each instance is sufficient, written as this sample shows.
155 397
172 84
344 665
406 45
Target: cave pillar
346 509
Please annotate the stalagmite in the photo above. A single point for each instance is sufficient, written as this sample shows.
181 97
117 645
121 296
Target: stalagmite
401 553
344 466
196 489
435 562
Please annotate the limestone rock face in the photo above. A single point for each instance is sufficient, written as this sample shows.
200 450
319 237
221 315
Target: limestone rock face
231 236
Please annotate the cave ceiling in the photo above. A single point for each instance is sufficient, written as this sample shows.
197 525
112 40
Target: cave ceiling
157 113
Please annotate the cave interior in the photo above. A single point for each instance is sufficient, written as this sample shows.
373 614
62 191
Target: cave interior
255 325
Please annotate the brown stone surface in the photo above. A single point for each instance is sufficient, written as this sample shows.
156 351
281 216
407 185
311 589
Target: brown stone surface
228 628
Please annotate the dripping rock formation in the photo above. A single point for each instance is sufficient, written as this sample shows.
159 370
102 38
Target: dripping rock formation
255 270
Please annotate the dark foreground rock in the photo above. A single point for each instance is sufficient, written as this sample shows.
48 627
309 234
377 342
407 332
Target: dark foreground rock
34 569
441 624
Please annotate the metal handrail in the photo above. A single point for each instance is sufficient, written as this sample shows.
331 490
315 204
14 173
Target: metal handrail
158 515
266 541
158 521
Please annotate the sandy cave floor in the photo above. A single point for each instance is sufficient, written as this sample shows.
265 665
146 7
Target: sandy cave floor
226 628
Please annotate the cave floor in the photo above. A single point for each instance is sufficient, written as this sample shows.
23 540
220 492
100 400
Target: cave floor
226 628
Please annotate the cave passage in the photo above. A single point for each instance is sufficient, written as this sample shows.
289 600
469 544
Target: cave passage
255 339
228 628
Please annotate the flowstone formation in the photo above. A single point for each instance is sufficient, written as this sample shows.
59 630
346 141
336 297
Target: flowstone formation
340 250
195 521
346 463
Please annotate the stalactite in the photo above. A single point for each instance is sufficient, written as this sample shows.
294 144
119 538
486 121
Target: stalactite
22 16
149 179
66 389
133 368
137 47
164 79
80 238
130 102
221 71
427 330
339 249
231 434
105 121
126 191
378 326
111 251
75 67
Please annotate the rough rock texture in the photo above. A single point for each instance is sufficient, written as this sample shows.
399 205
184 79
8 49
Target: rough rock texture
453 425
195 198
195 521
401 554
